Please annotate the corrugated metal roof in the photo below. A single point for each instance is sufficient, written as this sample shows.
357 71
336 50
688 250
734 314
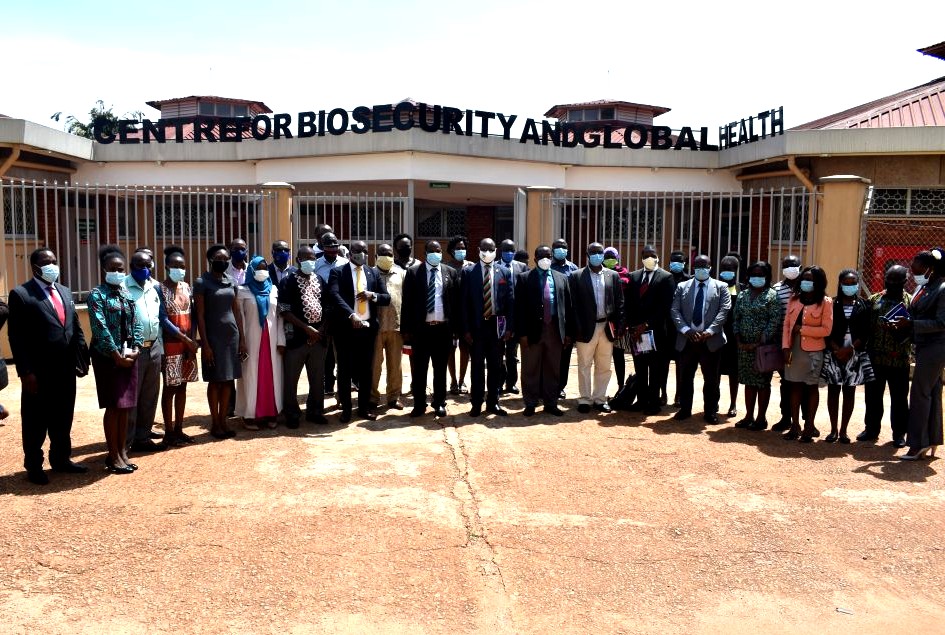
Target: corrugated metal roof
223 100
913 108
558 110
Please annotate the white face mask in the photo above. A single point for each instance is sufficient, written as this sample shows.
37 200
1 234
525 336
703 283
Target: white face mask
791 273
921 279
650 263
487 256
544 264
261 275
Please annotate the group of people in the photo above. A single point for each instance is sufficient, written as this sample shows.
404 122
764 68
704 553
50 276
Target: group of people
256 323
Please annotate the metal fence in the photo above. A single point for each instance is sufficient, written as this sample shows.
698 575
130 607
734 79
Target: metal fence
764 224
897 224
76 220
374 218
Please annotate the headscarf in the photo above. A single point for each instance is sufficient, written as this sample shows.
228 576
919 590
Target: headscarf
259 289
612 252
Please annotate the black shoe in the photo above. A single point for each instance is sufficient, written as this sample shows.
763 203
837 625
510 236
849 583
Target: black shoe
440 411
70 468
712 418
292 424
758 426
329 392
636 407
831 438
866 437
367 415
655 410
497 410
513 389
745 423
418 411
318 420
114 469
454 389
134 468
900 442
602 407
561 395
345 416
475 411
529 411
156 435
37 477
584 408
146 445
806 439
790 435
553 410
732 411
682 415
781 426
663 401
229 434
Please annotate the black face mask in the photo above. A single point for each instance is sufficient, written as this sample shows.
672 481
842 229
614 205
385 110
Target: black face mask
220 266
894 289
404 252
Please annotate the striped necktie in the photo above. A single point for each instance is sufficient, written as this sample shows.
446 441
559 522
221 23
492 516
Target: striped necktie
486 291
431 292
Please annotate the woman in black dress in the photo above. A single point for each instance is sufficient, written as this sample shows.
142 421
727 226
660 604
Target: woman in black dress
221 336
728 273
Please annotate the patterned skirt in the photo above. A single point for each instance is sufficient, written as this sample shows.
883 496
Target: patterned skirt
857 371
179 369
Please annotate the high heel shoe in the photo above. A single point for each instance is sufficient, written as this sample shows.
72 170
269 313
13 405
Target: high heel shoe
919 454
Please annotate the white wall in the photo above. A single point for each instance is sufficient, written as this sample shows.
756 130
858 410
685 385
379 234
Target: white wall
234 173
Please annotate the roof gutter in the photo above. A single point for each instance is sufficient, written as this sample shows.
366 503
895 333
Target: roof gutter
799 175
10 160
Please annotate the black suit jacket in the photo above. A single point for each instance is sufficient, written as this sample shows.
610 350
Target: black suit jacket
582 289
41 344
470 292
651 308
413 309
341 295
529 309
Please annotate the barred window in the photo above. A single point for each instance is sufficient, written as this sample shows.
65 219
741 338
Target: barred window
19 212
175 218
353 221
924 201
438 222
789 217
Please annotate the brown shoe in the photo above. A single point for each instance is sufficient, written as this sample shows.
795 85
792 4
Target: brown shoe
395 405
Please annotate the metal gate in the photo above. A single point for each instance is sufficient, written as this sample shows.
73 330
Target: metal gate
374 218
765 224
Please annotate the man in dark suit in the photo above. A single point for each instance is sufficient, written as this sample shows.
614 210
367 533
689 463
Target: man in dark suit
47 343
544 324
427 315
598 307
649 297
486 313
699 309
279 268
510 353
356 291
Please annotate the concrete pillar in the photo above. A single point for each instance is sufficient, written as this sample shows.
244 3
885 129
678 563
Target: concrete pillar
835 228
276 222
539 218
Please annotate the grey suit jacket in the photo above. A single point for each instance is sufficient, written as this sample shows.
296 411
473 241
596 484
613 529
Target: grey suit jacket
717 304
928 316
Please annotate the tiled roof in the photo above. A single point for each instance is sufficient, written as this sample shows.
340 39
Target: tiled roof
916 107
558 110
223 100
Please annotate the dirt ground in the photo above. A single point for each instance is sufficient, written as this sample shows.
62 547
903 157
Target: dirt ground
574 525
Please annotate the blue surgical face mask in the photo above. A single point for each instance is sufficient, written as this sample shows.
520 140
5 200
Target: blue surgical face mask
727 276
238 255
807 286
281 258
756 281
176 275
677 267
850 290
141 274
459 254
307 267
114 278
702 273
434 259
49 273
595 259
508 257
560 253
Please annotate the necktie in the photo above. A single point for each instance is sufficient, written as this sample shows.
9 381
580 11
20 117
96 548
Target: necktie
546 300
57 304
431 292
646 283
698 308
486 291
918 294
362 303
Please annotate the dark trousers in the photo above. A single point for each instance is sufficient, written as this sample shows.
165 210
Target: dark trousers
329 365
49 412
697 355
651 370
431 344
565 368
510 367
355 349
141 417
620 366
312 359
898 381
541 365
486 350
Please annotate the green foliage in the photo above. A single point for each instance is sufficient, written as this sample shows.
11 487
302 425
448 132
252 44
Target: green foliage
98 113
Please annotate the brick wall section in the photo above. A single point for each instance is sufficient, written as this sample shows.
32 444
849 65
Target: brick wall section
480 223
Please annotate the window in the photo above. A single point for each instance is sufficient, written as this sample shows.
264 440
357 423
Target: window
789 217
576 115
439 222
174 218
19 212
591 114
608 113
357 220
929 202
214 109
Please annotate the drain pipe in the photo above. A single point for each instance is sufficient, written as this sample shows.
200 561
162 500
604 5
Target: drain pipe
10 160
796 171
813 219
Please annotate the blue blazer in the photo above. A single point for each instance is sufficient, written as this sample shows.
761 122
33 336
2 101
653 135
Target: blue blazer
470 294
341 295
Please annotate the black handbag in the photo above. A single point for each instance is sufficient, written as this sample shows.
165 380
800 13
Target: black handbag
83 359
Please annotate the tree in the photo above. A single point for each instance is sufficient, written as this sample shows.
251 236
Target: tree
98 114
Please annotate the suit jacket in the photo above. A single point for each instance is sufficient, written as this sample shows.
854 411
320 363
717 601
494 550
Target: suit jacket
517 268
413 308
716 305
859 322
928 316
342 300
529 309
470 294
41 344
585 303
274 277
652 308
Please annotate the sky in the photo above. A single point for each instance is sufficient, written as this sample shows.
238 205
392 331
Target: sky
709 62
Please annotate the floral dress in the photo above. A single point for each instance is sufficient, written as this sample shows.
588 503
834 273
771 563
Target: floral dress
757 321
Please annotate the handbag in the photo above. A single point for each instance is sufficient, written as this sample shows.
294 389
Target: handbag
768 358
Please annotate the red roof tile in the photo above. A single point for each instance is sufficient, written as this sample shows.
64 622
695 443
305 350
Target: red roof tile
223 100
913 108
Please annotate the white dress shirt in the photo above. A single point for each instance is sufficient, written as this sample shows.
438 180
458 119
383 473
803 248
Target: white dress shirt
597 280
